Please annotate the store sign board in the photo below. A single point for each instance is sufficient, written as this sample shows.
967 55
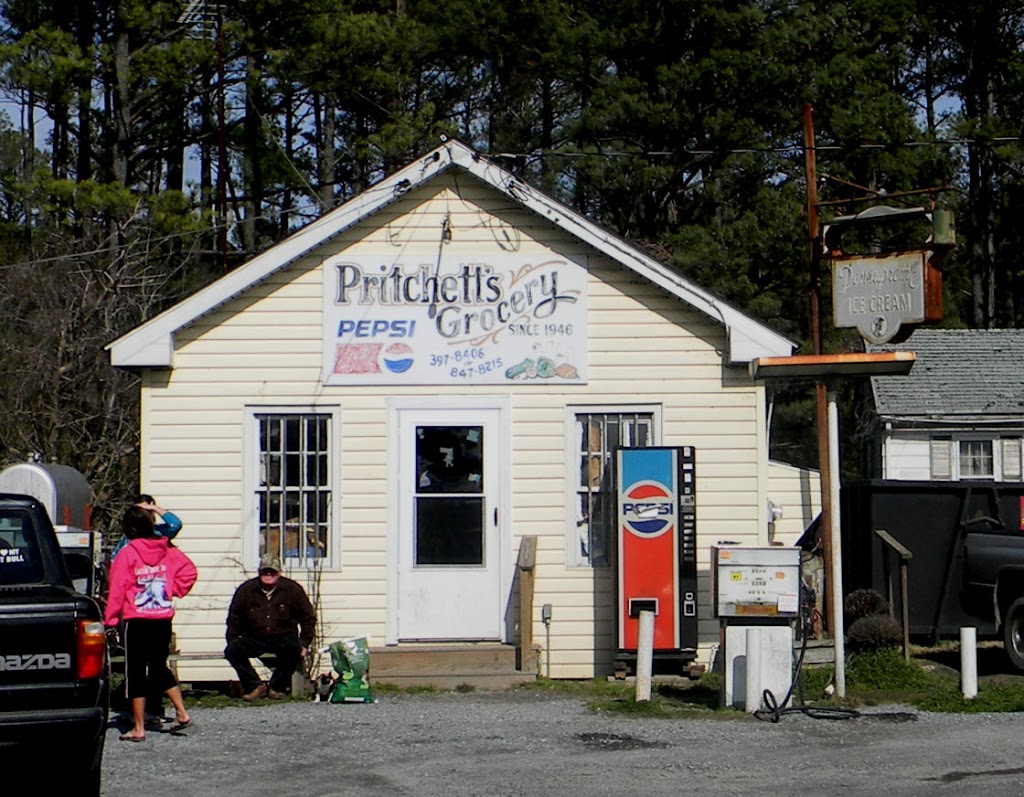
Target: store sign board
878 294
496 320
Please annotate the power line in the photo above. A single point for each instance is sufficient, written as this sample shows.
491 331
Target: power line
779 149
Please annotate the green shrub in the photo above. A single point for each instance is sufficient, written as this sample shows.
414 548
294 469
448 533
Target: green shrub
874 632
864 603
885 669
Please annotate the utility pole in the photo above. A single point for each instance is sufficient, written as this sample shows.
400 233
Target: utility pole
820 392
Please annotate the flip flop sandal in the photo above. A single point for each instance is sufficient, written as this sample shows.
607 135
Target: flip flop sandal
124 737
178 727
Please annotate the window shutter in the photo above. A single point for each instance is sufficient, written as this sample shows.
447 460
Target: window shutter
1011 460
942 459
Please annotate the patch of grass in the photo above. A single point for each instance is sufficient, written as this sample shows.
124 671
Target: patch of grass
395 689
596 687
872 678
886 669
994 697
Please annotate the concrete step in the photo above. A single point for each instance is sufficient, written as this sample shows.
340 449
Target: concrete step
819 652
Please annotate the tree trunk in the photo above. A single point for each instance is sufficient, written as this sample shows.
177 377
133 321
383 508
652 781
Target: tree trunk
325 106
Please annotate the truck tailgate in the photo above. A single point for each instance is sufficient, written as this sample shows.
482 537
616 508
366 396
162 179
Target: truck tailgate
38 649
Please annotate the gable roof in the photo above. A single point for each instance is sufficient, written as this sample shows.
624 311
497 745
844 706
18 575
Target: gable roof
151 345
960 373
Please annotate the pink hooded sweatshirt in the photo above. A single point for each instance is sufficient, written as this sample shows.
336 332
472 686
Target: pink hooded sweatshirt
144 576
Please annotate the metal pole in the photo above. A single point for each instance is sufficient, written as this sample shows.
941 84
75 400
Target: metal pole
839 644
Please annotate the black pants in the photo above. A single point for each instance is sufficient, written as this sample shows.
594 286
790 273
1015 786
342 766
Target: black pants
287 649
147 644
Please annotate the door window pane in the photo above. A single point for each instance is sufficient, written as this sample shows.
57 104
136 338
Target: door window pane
449 530
450 510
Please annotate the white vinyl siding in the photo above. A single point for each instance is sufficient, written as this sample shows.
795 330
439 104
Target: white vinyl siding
951 457
796 492
261 352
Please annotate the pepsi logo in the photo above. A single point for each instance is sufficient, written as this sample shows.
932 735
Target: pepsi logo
397 358
647 509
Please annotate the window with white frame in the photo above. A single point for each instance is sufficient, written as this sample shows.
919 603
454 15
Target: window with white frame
596 434
294 485
976 460
983 458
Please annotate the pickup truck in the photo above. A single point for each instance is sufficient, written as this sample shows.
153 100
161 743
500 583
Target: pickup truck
966 545
54 669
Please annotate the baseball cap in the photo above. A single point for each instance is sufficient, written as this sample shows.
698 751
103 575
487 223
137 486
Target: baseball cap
270 561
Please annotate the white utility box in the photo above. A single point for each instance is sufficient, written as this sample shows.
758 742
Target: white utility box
755 582
755 594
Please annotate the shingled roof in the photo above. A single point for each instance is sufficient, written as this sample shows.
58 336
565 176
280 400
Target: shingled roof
959 373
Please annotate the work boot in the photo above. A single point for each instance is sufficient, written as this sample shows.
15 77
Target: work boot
255 694
276 695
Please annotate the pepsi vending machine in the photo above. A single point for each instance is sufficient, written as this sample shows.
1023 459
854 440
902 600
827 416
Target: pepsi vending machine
657 556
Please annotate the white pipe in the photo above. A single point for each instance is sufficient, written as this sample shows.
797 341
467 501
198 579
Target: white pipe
752 682
969 661
839 642
644 656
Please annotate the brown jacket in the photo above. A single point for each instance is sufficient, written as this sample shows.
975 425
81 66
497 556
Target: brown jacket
252 615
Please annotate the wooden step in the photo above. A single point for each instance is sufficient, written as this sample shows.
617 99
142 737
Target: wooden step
488 666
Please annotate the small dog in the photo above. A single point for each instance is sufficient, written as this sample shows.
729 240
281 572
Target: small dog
322 688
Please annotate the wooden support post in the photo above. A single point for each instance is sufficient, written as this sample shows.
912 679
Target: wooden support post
527 560
905 556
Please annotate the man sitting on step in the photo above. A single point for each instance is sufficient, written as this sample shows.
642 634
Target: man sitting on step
269 614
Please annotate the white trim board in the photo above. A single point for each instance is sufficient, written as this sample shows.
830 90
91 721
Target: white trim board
151 344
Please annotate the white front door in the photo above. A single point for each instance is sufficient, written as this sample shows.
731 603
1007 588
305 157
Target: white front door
449 546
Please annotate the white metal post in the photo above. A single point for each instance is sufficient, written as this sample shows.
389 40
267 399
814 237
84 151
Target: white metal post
645 656
969 661
839 643
752 681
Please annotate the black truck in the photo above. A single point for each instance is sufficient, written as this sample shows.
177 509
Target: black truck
54 669
966 543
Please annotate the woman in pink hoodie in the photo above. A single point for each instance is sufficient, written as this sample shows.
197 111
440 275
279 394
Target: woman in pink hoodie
146 574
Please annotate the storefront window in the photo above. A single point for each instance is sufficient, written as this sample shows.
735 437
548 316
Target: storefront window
597 436
294 490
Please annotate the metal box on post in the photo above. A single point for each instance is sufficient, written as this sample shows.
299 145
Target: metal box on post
755 582
755 594
67 498
657 555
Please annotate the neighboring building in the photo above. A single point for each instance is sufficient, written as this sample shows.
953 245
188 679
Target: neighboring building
959 414
794 501
395 396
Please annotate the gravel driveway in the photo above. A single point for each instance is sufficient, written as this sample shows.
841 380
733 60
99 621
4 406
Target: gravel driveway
533 744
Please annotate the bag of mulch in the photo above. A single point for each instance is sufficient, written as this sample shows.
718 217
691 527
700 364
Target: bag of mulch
351 660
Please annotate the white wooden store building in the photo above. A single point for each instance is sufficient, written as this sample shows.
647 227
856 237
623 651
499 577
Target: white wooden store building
398 394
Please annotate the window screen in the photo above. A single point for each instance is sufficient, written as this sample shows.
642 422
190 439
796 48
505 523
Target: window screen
597 435
294 494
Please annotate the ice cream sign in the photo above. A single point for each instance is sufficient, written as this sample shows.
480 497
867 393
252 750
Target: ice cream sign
495 321
878 294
